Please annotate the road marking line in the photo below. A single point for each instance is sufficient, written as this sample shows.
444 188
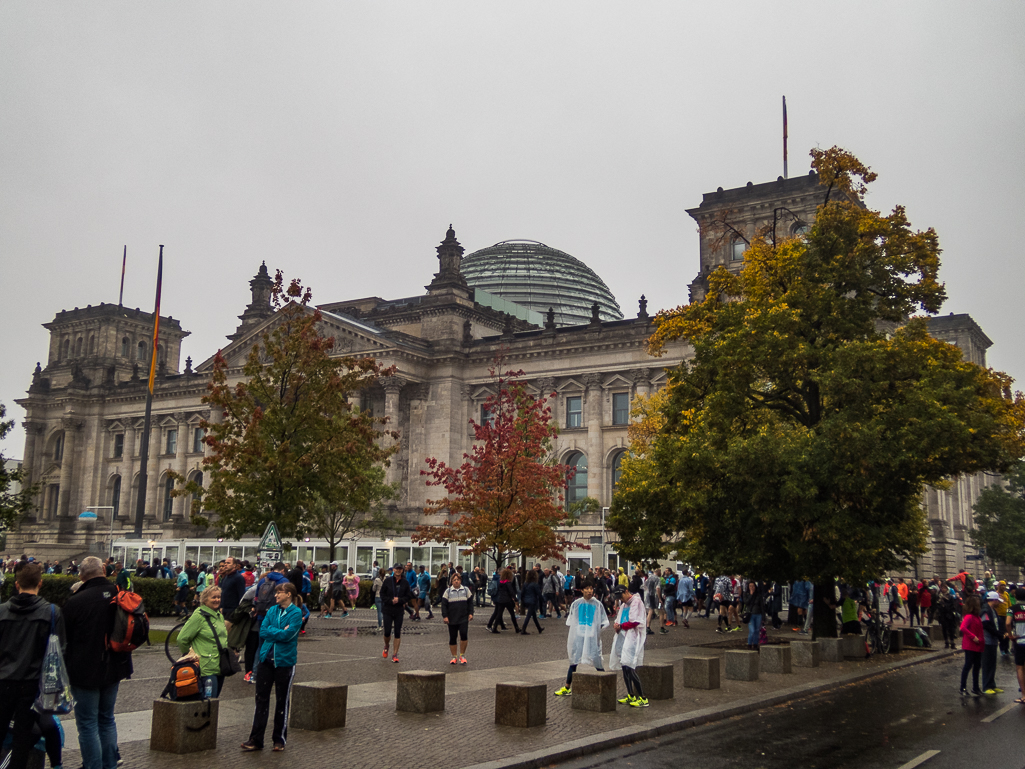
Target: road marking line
920 760
1005 709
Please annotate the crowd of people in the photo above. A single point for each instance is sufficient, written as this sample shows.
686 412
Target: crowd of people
230 607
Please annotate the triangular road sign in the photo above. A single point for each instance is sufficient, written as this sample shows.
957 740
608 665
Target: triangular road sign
271 538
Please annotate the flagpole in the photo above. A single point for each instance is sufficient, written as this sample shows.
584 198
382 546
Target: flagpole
124 261
785 176
140 504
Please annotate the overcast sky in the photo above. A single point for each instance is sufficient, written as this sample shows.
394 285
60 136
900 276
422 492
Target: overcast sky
337 141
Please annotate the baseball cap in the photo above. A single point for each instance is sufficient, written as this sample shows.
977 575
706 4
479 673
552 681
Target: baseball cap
334 563
618 591
992 595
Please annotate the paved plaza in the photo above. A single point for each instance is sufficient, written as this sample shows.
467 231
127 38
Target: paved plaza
349 651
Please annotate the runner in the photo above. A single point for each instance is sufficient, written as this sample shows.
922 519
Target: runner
685 596
456 612
722 595
395 594
1017 617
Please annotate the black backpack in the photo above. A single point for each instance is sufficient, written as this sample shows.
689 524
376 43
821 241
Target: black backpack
265 596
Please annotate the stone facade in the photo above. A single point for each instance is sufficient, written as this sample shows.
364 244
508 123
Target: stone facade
85 408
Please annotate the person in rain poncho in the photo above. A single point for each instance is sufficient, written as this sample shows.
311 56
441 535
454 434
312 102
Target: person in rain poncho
628 645
586 619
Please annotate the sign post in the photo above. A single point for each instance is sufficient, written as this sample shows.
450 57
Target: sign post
269 550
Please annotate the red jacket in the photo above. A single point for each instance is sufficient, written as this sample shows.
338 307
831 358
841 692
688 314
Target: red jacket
971 626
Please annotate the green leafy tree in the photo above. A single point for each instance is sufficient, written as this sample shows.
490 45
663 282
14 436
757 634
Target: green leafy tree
1000 520
799 438
14 505
289 440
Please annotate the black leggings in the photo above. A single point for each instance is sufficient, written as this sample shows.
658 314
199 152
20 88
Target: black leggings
972 660
573 669
252 649
269 677
457 629
496 617
389 619
633 683
531 614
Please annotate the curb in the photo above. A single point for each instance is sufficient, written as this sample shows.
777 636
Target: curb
663 726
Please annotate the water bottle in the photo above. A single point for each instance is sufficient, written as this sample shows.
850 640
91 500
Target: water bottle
208 689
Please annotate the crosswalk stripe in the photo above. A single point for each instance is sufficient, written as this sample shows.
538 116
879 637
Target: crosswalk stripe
920 760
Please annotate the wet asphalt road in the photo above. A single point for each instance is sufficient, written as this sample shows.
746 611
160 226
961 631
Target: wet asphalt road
884 723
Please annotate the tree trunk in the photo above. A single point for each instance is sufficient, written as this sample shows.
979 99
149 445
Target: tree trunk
824 614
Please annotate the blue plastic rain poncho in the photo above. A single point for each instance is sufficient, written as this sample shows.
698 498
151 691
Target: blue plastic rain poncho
586 619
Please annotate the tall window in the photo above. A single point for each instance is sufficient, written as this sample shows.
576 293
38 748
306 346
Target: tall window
172 442
198 434
92 345
737 249
142 352
620 408
617 468
574 411
168 499
486 417
115 496
67 349
576 489
55 493
198 478
58 448
78 347
119 445
124 347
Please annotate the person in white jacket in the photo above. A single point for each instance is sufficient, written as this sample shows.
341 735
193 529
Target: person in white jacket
628 645
586 619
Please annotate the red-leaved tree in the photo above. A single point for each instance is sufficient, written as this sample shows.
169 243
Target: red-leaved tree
505 500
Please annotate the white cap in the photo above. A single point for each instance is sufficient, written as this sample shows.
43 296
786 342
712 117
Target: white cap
992 595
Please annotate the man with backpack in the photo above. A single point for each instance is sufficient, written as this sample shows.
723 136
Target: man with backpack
95 669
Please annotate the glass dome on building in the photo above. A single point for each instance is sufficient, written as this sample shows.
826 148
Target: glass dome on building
537 276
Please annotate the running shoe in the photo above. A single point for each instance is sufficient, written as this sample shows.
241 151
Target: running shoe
248 677
385 652
639 702
394 659
278 747
344 615
964 692
462 660
998 690
453 662
625 700
249 746
565 691
663 631
990 692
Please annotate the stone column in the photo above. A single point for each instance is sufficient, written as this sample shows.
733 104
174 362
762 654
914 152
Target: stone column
129 466
392 388
71 428
32 432
593 419
181 464
642 381
154 489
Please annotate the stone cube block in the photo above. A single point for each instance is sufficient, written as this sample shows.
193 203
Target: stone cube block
420 691
594 691
741 665
936 633
656 681
701 672
522 704
775 658
183 727
832 649
318 705
854 647
896 641
805 654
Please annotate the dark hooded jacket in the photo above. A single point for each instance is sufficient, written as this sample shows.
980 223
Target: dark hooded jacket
24 630
89 617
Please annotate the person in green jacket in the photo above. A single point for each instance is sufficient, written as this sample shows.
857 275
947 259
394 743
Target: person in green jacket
198 634
279 637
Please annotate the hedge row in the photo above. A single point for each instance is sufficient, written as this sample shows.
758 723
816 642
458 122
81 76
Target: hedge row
157 594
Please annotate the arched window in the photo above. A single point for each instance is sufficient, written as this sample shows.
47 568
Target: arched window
197 478
617 468
168 499
58 448
799 229
92 345
66 350
124 347
576 487
142 352
115 496
78 347
160 353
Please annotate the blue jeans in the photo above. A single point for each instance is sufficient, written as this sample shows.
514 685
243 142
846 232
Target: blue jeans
754 627
97 732
380 617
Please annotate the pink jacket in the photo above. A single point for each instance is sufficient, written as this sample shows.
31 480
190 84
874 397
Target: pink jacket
972 640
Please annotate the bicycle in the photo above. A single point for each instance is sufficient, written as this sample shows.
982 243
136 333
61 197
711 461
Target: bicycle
878 630
171 642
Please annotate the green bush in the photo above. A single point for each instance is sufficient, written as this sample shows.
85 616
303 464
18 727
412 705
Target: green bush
157 594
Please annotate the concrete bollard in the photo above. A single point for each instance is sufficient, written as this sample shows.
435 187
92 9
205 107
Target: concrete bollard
936 634
832 649
805 654
741 665
594 691
775 658
656 681
318 705
854 647
420 691
522 704
183 727
701 672
896 642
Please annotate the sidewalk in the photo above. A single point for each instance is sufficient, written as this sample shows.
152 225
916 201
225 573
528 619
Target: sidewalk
465 733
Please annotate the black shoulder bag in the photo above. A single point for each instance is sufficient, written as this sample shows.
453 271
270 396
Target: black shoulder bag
229 659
